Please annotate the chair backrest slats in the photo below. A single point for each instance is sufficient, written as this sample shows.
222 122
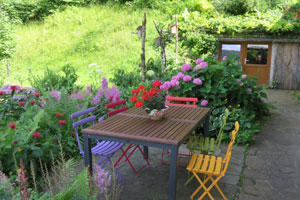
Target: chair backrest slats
230 146
83 121
82 112
185 99
114 105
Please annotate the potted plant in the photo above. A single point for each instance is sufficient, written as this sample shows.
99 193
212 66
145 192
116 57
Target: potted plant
152 100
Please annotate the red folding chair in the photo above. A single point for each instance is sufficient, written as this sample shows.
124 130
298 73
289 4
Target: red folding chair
132 147
179 99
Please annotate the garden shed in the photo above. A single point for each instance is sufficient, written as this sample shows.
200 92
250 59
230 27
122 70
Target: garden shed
274 61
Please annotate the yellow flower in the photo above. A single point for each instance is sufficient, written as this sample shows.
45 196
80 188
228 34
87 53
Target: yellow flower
90 114
19 169
229 106
19 149
249 126
226 100
238 105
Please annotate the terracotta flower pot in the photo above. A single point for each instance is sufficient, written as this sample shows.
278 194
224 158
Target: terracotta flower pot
158 114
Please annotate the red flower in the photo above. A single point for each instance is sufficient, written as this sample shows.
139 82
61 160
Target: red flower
15 142
133 99
141 87
54 140
60 115
145 96
139 103
37 94
135 91
21 103
72 132
117 98
62 122
32 102
156 83
12 125
152 92
111 98
13 87
36 134
21 90
1 92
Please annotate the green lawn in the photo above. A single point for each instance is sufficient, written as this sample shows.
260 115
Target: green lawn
81 36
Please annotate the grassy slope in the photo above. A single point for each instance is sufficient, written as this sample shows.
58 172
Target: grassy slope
81 36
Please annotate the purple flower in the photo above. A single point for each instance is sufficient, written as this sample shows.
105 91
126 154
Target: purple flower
175 78
187 78
104 83
55 94
88 90
186 67
224 58
238 80
197 81
173 83
244 76
203 65
77 95
101 119
95 100
100 93
249 90
102 179
204 103
180 75
198 61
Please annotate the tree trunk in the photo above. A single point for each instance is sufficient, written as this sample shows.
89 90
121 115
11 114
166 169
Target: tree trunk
143 63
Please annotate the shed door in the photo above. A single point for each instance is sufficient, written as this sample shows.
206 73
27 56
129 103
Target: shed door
254 57
256 61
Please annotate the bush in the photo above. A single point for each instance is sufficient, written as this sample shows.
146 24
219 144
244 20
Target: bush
6 41
220 86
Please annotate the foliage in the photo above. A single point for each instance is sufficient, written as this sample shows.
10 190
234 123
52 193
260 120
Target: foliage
6 43
124 79
220 86
52 80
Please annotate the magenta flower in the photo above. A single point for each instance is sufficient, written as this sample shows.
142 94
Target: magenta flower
95 100
187 78
100 93
102 179
238 80
77 95
197 81
249 90
101 119
55 94
224 58
186 67
175 78
173 83
88 90
198 61
244 76
203 65
204 103
180 75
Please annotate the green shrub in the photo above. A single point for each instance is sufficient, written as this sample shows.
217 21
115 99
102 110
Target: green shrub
6 41
220 86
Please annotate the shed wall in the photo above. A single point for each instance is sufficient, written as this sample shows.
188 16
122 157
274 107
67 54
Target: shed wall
286 65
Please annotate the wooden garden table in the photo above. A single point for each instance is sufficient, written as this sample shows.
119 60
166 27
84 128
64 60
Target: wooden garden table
135 127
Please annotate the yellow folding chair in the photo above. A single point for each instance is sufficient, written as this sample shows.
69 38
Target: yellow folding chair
213 167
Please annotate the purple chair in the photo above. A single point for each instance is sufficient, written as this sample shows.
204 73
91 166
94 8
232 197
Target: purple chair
104 149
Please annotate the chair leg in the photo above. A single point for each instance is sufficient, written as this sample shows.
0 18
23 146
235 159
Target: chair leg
202 184
218 188
144 156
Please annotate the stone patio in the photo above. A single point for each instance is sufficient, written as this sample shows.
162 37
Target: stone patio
152 182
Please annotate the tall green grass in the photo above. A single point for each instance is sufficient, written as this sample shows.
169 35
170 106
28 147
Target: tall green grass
82 36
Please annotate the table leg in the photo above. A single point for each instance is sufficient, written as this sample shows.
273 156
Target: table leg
173 180
146 152
88 159
206 126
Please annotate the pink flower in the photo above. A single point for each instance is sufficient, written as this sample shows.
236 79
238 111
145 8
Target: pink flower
62 122
32 102
249 90
21 103
36 134
197 81
204 103
198 61
238 80
187 78
224 58
101 119
180 75
12 125
173 83
15 142
55 94
88 90
244 76
186 67
203 65
104 83
95 100
77 95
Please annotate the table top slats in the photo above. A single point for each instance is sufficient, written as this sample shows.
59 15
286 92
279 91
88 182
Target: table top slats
135 124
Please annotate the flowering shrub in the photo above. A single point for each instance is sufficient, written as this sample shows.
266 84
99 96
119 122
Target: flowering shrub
220 85
149 99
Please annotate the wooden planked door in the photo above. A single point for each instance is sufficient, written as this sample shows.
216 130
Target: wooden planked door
255 58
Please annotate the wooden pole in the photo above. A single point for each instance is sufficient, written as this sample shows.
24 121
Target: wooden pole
176 43
163 58
143 62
